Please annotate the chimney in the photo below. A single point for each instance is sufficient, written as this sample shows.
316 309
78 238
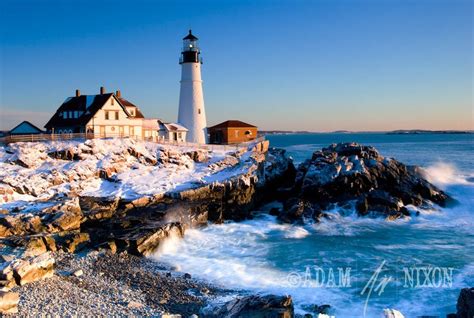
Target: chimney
102 90
78 93
118 93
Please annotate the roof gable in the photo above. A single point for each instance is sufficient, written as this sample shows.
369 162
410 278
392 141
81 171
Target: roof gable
25 127
88 104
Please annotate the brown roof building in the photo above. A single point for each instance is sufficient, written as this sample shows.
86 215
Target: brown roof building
231 132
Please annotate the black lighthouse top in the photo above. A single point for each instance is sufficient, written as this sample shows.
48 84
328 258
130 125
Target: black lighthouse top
191 51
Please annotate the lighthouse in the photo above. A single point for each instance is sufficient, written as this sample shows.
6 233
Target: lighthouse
191 112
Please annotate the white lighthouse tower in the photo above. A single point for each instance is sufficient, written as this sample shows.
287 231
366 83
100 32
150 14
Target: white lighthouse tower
191 99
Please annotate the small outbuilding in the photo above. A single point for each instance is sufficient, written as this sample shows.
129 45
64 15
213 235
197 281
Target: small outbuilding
25 128
171 132
232 132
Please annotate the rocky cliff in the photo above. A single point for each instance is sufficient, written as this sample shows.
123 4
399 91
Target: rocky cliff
127 195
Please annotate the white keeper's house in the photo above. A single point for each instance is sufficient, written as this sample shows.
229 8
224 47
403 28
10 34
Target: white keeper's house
104 115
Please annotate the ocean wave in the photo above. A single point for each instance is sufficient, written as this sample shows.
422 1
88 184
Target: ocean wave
443 174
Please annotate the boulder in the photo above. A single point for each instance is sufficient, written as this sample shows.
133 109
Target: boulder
465 304
6 193
198 155
350 172
72 242
269 306
296 210
27 270
146 239
97 208
9 302
65 154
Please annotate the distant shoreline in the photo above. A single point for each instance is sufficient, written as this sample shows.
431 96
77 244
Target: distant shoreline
392 132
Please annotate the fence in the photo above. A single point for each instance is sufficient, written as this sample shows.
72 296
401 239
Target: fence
84 136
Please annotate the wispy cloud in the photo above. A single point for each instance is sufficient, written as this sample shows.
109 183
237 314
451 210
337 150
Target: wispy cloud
9 118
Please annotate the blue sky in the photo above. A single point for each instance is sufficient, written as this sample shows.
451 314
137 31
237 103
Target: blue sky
306 65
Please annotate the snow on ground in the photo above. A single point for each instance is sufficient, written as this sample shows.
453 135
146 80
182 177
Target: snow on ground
108 168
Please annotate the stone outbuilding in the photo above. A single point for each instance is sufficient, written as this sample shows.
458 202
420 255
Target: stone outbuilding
232 132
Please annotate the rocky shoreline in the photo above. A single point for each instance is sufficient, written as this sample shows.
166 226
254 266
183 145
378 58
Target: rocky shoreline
88 247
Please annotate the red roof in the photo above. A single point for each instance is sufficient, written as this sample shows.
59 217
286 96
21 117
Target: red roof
233 124
124 102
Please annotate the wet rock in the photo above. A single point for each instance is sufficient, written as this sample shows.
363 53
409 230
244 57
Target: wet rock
350 172
296 210
465 304
322 309
9 302
270 306
144 241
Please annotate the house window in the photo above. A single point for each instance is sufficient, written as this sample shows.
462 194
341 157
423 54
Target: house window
112 101
132 112
236 134
70 114
76 114
65 115
106 115
248 133
116 115
180 135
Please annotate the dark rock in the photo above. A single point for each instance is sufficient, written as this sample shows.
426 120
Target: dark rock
296 210
144 241
65 154
274 211
269 306
465 304
343 173
322 309
73 242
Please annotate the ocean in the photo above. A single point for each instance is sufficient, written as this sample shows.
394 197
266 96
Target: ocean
359 266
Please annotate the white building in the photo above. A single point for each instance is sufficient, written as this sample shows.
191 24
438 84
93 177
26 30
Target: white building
172 132
104 115
192 114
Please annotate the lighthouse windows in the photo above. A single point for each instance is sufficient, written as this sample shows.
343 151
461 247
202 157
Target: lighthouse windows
199 111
